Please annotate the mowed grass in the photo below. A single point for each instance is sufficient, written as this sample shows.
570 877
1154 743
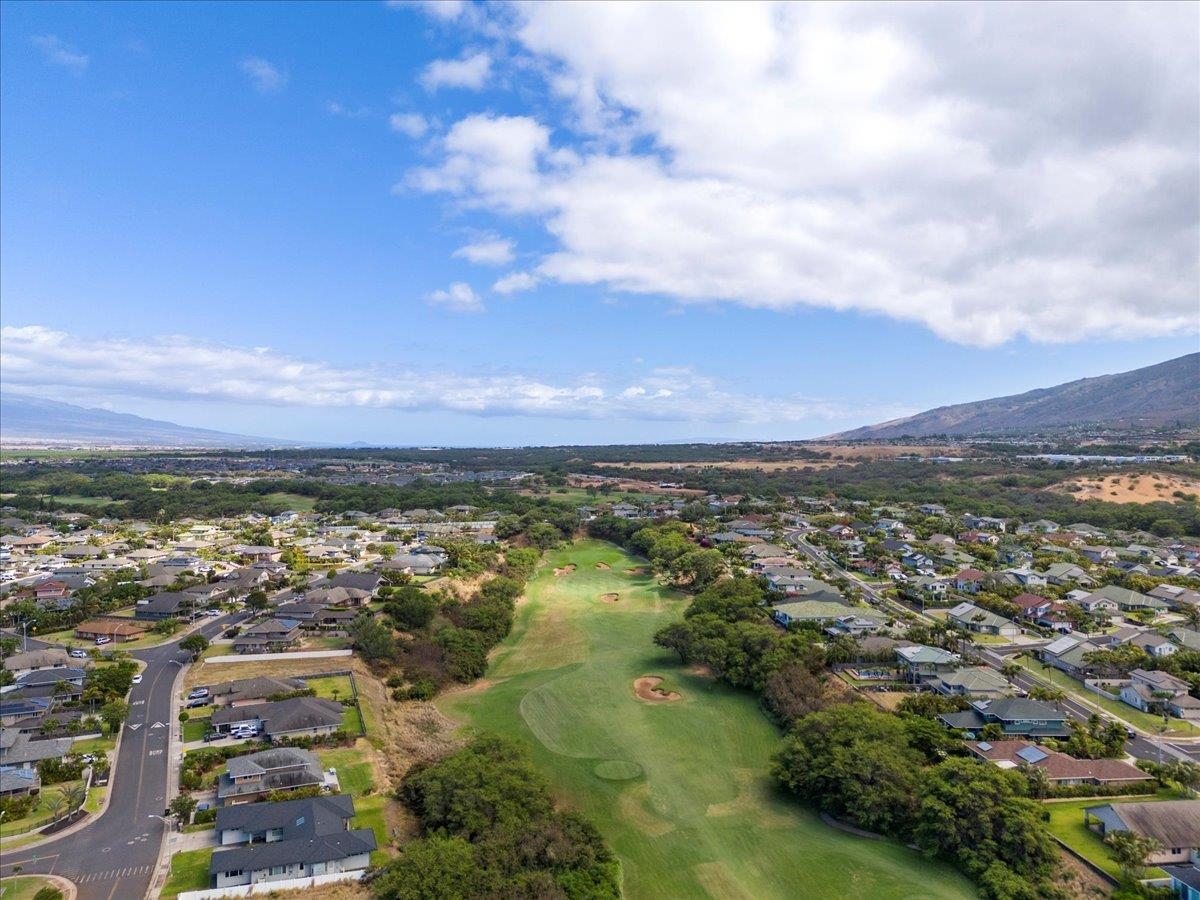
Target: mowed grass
680 790
189 872
294 502
22 888
1066 824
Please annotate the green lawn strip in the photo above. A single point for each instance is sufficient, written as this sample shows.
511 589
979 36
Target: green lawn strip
39 816
331 687
680 790
103 744
350 722
195 729
199 826
189 872
1066 824
1145 721
95 799
368 813
354 775
23 887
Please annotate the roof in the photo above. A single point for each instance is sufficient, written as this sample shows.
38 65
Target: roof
977 615
39 659
1126 597
1189 875
256 688
1030 601
281 716
315 815
1057 766
976 678
363 581
1014 708
1173 823
21 748
920 654
325 848
813 609
275 758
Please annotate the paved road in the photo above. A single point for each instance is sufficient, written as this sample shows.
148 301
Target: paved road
114 857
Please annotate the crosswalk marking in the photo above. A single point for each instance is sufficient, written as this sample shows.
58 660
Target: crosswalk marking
111 874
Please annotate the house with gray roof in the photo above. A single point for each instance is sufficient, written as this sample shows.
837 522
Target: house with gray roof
925 662
290 839
981 621
250 690
1174 824
270 636
251 777
972 681
296 717
1016 716
22 751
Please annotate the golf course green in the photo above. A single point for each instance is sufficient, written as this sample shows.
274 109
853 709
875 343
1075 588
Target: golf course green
678 787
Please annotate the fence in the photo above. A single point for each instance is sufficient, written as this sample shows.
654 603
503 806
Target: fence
268 887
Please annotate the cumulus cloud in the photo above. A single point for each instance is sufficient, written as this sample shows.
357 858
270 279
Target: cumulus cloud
460 297
265 77
53 364
949 165
470 72
514 282
59 53
487 251
447 10
411 124
335 108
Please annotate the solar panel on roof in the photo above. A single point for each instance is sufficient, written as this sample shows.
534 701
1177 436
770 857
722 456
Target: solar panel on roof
985 746
1032 755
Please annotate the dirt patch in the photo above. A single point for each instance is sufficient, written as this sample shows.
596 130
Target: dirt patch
566 570
637 570
647 688
700 670
1134 487
610 598
604 567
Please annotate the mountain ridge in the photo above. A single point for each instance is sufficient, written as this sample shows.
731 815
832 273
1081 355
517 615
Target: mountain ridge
29 420
1162 395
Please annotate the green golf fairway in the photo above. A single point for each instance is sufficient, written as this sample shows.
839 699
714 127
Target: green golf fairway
680 789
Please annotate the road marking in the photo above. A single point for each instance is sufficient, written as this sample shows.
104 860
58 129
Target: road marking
135 726
158 725
138 703
154 753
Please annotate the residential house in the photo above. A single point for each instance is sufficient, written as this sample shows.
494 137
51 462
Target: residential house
271 636
253 776
1062 573
1059 768
982 621
1174 824
924 663
252 553
1186 637
1154 644
1176 597
32 660
809 611
854 625
972 681
1185 880
19 750
1015 716
289 839
969 581
167 605
296 717
1099 555
1031 605
19 782
117 630
1151 691
415 563
1128 600
251 690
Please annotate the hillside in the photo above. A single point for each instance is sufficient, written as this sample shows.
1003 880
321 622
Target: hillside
31 421
1166 394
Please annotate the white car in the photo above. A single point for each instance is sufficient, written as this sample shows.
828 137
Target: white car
137 679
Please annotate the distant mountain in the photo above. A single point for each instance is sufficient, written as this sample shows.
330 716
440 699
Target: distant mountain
28 420
1161 395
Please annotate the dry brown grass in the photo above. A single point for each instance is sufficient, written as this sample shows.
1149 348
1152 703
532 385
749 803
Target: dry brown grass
1147 487
840 455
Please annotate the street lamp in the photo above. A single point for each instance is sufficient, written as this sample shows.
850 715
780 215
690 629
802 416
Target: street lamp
162 819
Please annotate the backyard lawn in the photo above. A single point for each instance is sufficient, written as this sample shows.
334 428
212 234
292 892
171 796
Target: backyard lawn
680 790
39 815
331 687
1066 824
189 872
195 729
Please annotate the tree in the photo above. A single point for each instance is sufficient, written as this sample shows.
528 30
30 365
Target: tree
429 869
194 644
182 807
1130 850
373 641
113 714
411 608
698 568
56 805
257 600
75 796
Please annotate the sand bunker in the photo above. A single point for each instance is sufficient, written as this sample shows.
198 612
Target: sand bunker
566 570
610 598
647 688
603 566
637 570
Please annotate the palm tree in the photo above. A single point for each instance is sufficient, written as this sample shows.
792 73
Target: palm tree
1010 670
56 804
75 795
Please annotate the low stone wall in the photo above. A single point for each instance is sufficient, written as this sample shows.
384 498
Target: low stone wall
268 887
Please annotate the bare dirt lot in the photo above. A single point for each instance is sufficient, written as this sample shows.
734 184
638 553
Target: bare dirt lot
1133 487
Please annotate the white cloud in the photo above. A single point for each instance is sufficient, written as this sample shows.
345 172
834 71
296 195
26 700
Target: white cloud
470 72
335 108
265 77
948 165
59 53
447 10
411 124
54 364
487 251
460 297
514 282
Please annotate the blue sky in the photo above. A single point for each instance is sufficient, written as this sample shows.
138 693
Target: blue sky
305 220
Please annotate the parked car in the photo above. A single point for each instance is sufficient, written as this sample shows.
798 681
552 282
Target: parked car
197 693
78 654
103 640
213 736
137 679
196 703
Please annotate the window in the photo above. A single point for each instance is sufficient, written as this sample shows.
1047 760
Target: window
278 870
236 873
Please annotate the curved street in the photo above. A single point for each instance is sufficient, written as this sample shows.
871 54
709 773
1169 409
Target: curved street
114 855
